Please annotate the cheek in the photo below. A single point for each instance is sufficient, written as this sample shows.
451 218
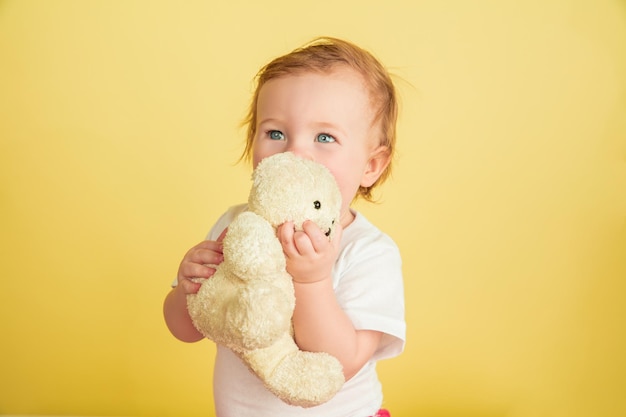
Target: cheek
257 155
255 160
348 184
262 149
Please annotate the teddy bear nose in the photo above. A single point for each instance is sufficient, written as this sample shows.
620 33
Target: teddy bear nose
328 232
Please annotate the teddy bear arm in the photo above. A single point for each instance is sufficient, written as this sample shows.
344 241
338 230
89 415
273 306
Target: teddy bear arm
251 248
258 315
304 379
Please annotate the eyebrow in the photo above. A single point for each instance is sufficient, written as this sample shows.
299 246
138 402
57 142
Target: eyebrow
327 125
269 120
317 125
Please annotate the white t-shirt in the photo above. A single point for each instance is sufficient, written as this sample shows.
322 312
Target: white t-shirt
367 279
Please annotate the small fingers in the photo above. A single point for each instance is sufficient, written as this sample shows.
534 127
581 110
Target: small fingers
222 235
188 270
294 242
309 240
207 252
285 232
189 287
302 243
316 237
205 257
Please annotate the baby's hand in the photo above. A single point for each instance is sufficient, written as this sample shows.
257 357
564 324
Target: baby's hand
310 255
198 262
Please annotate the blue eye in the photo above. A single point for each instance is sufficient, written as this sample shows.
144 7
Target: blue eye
325 138
276 135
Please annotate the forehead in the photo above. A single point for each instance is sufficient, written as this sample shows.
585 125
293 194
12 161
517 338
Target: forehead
338 88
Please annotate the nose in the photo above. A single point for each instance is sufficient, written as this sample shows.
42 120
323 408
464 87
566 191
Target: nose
300 149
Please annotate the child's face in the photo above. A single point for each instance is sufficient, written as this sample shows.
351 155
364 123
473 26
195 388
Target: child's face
327 118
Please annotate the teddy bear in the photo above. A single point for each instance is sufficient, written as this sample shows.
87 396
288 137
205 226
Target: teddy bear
247 305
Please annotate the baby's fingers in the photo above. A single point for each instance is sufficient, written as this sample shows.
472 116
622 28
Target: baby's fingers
205 257
284 232
190 270
222 235
316 238
207 252
294 242
189 287
303 243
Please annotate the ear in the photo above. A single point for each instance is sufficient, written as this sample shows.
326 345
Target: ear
378 160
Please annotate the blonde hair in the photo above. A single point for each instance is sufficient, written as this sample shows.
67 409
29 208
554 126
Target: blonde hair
323 55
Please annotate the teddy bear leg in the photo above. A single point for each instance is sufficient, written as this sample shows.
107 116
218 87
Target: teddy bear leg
305 379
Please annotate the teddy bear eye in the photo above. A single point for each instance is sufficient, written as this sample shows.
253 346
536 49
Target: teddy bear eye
317 205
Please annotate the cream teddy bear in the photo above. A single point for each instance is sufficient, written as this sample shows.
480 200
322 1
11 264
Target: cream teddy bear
247 305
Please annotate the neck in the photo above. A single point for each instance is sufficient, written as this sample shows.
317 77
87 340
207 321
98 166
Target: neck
346 218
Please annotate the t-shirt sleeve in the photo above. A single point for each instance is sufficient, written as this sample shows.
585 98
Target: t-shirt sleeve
369 287
224 220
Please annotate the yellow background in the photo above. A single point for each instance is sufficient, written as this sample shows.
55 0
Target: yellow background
118 140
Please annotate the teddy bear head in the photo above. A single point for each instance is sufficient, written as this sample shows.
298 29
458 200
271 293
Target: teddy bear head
289 188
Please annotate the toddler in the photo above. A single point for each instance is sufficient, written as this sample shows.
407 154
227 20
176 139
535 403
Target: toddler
332 102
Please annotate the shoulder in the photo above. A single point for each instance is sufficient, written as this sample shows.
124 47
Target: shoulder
225 219
363 237
367 254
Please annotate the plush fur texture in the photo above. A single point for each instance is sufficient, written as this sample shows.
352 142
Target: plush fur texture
247 305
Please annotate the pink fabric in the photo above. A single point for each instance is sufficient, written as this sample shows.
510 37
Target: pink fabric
382 413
